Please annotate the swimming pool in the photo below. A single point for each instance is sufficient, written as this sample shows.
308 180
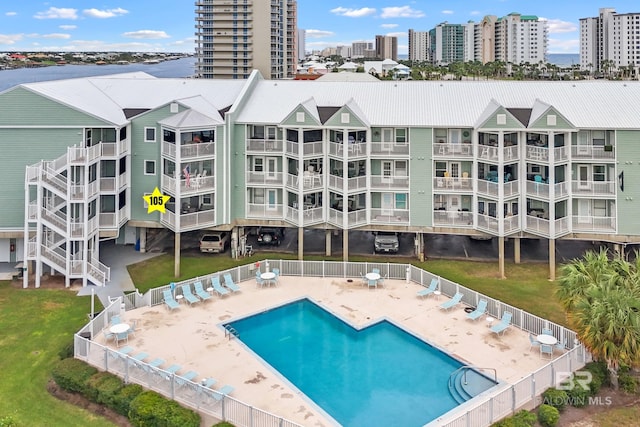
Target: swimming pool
377 376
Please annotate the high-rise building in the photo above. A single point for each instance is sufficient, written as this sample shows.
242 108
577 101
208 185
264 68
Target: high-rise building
447 43
387 47
485 39
520 39
359 49
235 37
419 46
611 37
302 43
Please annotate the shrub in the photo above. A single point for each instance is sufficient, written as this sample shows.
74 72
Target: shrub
7 421
556 398
123 398
151 409
66 351
600 376
223 424
103 387
72 375
548 415
520 419
626 381
578 396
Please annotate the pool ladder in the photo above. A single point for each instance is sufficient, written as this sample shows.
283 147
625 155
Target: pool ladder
467 368
230 332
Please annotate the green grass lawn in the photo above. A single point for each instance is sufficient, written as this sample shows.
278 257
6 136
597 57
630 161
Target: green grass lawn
37 323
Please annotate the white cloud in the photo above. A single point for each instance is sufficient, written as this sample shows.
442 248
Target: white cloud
397 34
475 12
67 27
56 36
10 38
11 13
317 34
57 13
106 13
146 34
389 26
558 26
563 46
353 13
401 12
447 12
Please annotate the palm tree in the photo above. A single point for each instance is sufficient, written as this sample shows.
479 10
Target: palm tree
601 296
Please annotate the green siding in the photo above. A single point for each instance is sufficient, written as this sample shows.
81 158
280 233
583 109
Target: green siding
541 123
17 154
492 122
237 172
20 107
336 120
420 173
628 147
291 120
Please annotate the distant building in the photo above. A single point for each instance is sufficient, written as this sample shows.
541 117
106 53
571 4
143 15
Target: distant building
447 43
387 47
359 49
520 39
419 46
234 39
612 37
343 51
302 41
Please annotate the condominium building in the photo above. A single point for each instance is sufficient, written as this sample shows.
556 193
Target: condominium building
419 46
611 37
502 159
302 44
235 37
387 47
361 49
447 43
520 39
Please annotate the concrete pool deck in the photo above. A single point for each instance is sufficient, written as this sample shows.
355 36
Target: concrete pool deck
192 337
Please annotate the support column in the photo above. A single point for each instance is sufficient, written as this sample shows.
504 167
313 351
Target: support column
501 257
327 242
345 245
516 250
143 240
300 243
552 259
176 255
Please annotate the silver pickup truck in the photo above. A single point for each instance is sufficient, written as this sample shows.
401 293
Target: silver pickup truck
386 242
214 242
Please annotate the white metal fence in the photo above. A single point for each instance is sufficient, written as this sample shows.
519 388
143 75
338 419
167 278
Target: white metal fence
496 405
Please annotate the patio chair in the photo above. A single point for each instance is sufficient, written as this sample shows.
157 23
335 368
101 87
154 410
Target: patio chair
276 271
208 382
133 327
430 290
169 300
259 281
546 349
157 362
381 281
141 356
504 323
122 336
188 295
183 379
452 302
372 284
200 292
479 311
108 335
375 270
229 283
560 346
227 389
363 280
215 284
533 341
546 331
115 320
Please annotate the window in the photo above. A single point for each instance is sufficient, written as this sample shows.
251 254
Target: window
123 134
401 201
149 134
401 136
258 164
599 173
149 167
401 168
441 168
168 135
344 118
144 201
300 117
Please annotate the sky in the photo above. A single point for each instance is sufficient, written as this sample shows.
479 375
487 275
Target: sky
169 25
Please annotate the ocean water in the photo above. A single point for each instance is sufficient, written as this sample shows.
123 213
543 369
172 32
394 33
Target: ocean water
184 67
564 59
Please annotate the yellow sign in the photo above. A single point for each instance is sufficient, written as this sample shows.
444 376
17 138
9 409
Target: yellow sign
156 201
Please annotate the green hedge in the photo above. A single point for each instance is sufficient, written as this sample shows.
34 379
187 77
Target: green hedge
522 418
548 415
151 409
556 398
144 408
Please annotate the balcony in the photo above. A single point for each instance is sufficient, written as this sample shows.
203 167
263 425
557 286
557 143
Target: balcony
593 188
487 188
390 216
357 183
312 215
389 149
488 224
189 221
264 178
592 152
189 150
444 218
310 149
457 151
194 184
386 182
354 149
451 184
593 224
262 146
537 225
261 210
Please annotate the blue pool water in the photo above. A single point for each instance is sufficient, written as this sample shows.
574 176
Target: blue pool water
378 376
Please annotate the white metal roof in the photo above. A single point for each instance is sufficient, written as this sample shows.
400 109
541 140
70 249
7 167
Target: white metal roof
590 104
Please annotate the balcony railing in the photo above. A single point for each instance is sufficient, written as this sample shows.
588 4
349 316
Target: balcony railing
448 183
189 221
190 150
194 184
262 145
107 184
385 182
444 218
390 149
311 215
592 152
264 178
308 148
593 188
356 218
537 225
537 189
594 223
488 188
354 149
261 210
488 223
511 224
389 216
443 149
537 154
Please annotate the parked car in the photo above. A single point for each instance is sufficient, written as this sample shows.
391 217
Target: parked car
214 242
386 242
270 235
